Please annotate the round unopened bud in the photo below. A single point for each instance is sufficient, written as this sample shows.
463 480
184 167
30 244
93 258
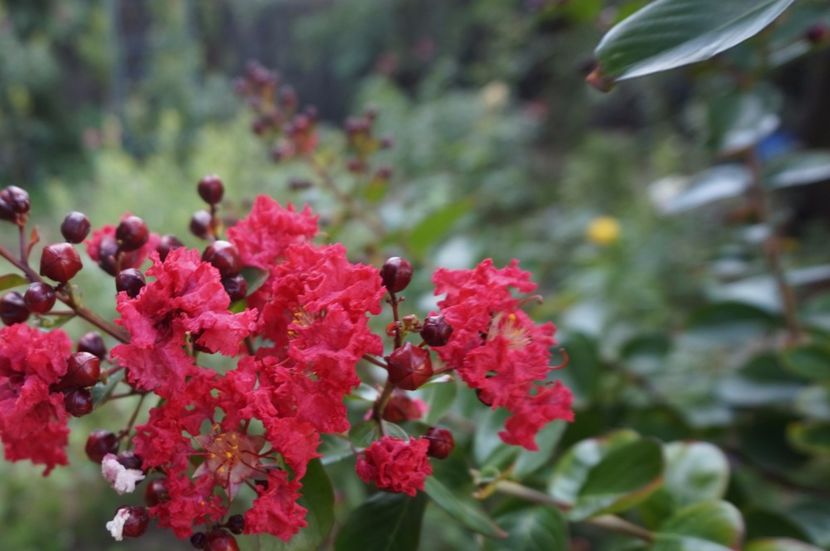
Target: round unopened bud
220 540
200 224
156 492
6 212
39 298
136 523
13 308
441 442
396 274
78 402
60 261
198 540
108 255
17 199
83 369
129 460
224 257
409 367
236 524
99 444
211 189
166 244
436 331
131 281
93 343
131 233
236 287
75 227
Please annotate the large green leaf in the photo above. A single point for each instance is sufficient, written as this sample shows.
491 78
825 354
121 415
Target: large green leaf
779 544
465 511
435 226
695 471
318 498
812 437
671 33
384 522
811 361
534 529
705 526
10 281
798 169
439 398
605 476
528 462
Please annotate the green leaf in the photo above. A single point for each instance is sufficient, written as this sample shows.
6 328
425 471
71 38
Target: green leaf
811 437
433 227
10 281
671 33
439 398
528 462
467 512
726 322
625 477
384 522
534 529
318 497
695 471
254 277
486 442
779 544
705 526
811 361
814 402
714 184
798 169
100 391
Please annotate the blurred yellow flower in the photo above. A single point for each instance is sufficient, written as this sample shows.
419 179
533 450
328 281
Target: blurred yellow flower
603 230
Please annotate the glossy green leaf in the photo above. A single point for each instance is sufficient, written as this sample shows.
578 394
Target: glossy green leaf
695 471
534 529
811 361
814 402
811 437
705 526
486 442
528 462
384 522
10 281
254 277
435 226
798 169
779 544
667 34
439 398
467 512
726 322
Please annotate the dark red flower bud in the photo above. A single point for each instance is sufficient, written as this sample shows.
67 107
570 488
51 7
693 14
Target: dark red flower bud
299 184
75 227
409 367
396 274
78 402
60 261
200 224
224 257
441 442
131 233
93 343
818 33
236 287
99 444
131 281
166 244
108 255
156 492
17 199
13 308
484 397
136 523
39 298
83 369
198 540
436 331
220 540
6 212
211 189
236 524
129 460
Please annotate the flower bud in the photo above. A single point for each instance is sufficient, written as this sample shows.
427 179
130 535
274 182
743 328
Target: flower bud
93 343
131 281
436 331
396 274
236 524
198 540
220 540
99 444
129 460
211 189
39 298
78 402
13 308
131 233
224 257
236 287
409 367
60 262
200 224
17 199
156 492
130 522
441 442
75 227
166 244
82 370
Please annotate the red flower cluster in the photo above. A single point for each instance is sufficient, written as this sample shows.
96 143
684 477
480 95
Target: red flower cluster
498 350
185 304
396 465
32 415
102 248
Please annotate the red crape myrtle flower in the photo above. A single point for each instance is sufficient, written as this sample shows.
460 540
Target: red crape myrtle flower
186 301
498 350
263 235
209 419
395 465
33 417
314 310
